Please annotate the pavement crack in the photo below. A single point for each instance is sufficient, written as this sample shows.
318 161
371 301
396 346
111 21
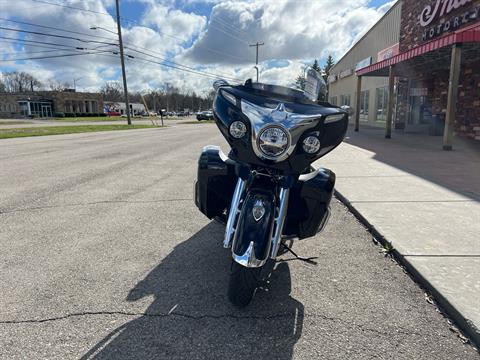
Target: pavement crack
395 330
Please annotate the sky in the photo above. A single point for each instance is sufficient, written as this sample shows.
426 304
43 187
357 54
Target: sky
208 39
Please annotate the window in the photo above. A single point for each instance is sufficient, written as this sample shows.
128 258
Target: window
344 100
333 100
364 99
381 104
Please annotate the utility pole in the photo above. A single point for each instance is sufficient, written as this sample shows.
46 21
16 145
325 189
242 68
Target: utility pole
257 44
122 60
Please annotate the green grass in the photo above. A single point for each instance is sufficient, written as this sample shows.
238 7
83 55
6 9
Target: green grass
60 130
112 118
92 118
14 122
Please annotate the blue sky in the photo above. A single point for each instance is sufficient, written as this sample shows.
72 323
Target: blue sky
198 36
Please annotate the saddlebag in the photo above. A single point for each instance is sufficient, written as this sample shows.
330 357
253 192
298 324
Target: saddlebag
215 183
309 204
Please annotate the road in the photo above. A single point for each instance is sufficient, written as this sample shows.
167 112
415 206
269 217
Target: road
104 255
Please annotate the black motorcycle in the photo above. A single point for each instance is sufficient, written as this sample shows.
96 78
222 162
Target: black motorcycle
266 190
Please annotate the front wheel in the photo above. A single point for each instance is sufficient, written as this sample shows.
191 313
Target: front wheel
243 284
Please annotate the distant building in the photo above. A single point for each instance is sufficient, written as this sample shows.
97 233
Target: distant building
50 103
114 106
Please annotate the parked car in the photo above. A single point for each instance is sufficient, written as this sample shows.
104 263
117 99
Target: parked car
113 113
205 115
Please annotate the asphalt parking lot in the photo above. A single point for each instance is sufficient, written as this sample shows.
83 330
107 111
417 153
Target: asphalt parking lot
104 255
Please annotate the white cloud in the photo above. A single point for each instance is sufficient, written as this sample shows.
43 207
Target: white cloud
294 30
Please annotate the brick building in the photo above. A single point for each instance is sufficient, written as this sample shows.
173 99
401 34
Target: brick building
49 103
424 70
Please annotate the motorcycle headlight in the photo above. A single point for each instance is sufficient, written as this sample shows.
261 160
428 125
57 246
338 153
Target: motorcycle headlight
273 142
311 144
238 129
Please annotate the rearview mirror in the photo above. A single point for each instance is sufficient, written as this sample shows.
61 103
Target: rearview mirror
219 83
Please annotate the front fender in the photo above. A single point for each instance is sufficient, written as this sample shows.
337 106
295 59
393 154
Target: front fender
253 238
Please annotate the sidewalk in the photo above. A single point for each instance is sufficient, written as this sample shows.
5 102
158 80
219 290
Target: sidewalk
426 202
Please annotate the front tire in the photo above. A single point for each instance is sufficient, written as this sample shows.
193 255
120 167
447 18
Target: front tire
243 284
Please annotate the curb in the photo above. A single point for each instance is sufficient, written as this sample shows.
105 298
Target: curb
447 308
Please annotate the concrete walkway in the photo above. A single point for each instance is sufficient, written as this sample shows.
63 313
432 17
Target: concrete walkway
426 202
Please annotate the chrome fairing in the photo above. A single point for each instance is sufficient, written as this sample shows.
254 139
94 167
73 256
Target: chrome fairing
262 118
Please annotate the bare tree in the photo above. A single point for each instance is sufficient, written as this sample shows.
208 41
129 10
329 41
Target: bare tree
112 91
55 85
15 81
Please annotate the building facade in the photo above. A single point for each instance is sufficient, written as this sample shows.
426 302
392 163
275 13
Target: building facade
416 70
50 103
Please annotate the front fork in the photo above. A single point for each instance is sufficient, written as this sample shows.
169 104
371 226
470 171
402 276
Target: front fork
248 259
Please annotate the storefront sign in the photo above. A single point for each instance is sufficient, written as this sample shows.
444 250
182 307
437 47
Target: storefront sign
441 9
388 52
363 63
345 73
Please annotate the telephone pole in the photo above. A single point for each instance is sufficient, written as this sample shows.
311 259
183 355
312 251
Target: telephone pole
122 60
257 44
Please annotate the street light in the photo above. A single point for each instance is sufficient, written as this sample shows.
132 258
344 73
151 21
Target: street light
102 28
75 83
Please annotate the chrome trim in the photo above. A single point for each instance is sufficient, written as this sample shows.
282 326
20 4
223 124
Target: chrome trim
333 118
234 211
325 221
294 124
279 221
248 259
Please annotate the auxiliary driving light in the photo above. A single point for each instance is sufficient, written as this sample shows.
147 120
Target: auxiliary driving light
311 144
238 129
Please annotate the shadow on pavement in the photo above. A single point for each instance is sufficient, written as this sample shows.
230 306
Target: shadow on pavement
422 155
194 277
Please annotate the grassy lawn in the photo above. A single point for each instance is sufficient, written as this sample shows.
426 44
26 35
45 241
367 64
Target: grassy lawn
92 118
109 118
14 122
59 130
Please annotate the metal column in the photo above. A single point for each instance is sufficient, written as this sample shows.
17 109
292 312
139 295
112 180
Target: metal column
391 98
357 108
452 95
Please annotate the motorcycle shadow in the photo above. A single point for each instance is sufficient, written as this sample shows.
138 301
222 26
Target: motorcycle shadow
190 316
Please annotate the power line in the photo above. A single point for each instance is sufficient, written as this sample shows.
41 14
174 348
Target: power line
228 26
42 42
55 35
185 66
34 43
55 56
99 42
176 67
140 25
58 29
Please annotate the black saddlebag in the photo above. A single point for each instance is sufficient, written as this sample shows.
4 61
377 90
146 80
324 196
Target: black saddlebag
215 183
309 204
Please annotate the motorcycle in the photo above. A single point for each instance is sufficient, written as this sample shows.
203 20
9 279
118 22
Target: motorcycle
266 190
